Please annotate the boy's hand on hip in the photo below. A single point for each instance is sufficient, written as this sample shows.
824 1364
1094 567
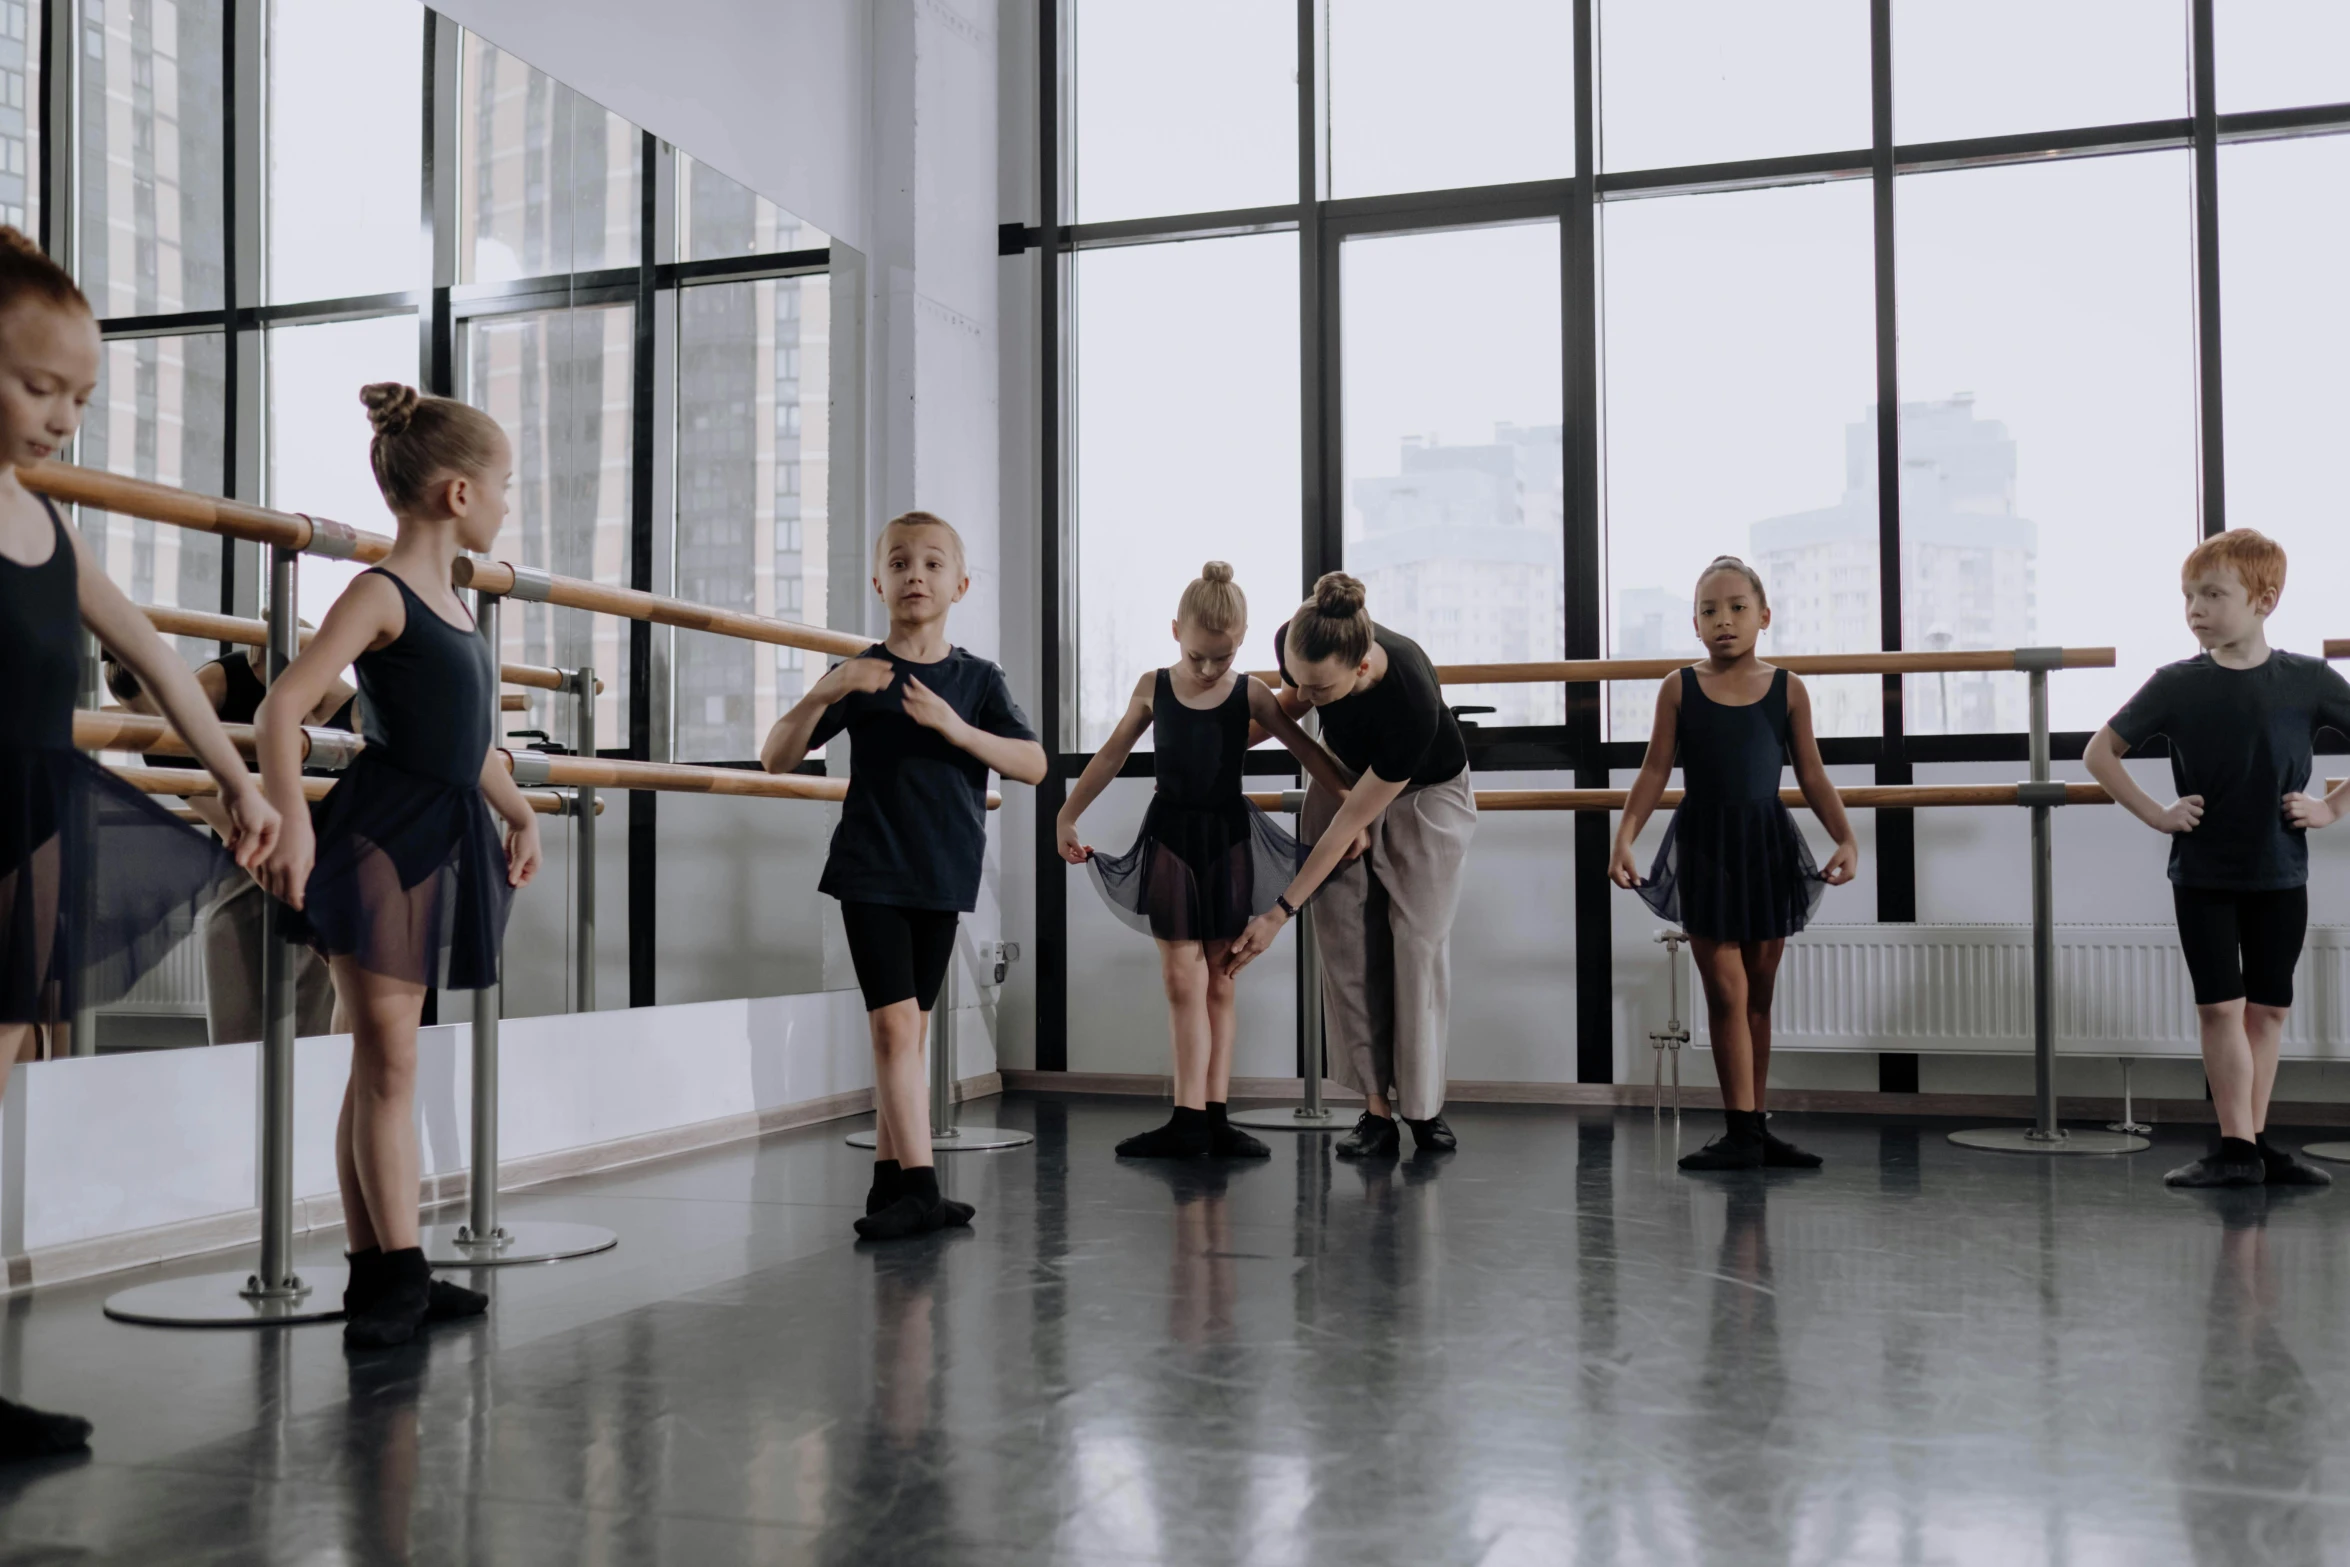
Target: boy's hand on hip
2309 811
2182 815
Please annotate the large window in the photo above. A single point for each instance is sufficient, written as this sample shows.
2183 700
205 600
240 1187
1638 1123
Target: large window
1221 70
1475 100
547 180
346 175
1706 81
158 414
150 233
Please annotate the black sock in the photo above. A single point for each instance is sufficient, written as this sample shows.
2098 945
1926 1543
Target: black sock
920 1182
2237 1149
1218 1112
916 1210
885 1185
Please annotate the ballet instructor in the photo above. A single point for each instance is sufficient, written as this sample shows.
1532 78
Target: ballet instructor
1386 862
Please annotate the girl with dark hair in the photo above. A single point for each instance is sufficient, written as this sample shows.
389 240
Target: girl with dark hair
1386 862
1734 871
402 882
97 882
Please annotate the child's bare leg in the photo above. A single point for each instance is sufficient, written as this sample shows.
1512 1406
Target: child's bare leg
375 1141
1721 970
1223 1003
1183 969
1761 962
2264 1033
2228 1065
16 1044
901 1088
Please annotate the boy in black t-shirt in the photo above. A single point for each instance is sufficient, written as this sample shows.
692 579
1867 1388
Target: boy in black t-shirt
2241 720
928 721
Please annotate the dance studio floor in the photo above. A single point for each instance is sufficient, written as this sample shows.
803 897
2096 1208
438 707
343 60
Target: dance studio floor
1549 1348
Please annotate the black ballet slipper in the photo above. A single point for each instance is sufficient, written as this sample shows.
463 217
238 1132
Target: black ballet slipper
446 1301
1780 1154
1226 1141
26 1432
918 1209
2235 1162
1740 1147
958 1213
885 1185
395 1310
1185 1136
2283 1168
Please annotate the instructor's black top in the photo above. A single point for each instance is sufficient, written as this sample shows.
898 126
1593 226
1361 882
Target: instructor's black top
913 831
2241 738
1400 728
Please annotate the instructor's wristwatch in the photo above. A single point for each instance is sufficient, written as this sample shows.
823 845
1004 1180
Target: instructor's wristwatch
1287 907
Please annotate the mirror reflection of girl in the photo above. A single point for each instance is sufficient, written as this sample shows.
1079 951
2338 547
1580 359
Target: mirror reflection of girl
81 918
1206 861
403 881
1734 871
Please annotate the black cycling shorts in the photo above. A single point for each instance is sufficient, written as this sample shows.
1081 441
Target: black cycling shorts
2242 945
899 953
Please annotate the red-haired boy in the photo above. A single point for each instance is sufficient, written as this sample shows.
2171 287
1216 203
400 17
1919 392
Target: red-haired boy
2241 719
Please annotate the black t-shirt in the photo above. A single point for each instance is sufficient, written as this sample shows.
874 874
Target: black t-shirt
913 830
1400 728
2241 738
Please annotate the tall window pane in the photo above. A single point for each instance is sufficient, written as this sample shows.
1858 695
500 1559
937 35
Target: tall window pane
1187 449
1181 108
345 147
318 433
2279 54
549 179
2048 426
151 183
559 382
1708 81
1989 67
2287 325
1740 382
20 115
753 379
157 415
717 216
1455 491
1479 94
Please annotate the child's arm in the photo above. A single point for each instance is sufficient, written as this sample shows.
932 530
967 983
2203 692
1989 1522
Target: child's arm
369 613
2104 757
1811 776
1656 768
1022 761
522 823
786 745
122 627
2311 812
1265 711
1102 769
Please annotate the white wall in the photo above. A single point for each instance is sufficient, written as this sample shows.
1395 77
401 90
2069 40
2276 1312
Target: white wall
777 96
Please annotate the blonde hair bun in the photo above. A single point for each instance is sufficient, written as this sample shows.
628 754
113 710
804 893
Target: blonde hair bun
390 405
1337 594
1216 571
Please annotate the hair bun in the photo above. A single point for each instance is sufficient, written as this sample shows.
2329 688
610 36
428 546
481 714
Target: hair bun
390 405
1216 571
18 242
1336 593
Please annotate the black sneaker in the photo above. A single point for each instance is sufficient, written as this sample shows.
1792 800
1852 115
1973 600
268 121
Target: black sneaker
2215 1170
2280 1168
1374 1137
1432 1135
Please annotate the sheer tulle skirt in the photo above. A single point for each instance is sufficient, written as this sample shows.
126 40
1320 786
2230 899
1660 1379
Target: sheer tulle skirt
97 883
410 878
1198 874
1739 871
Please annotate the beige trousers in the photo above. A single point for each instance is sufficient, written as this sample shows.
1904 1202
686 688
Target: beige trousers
1383 928
232 972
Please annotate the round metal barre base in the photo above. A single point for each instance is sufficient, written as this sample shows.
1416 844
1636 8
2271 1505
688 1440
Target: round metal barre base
217 1300
1294 1118
2332 1153
454 1245
963 1139
2023 1139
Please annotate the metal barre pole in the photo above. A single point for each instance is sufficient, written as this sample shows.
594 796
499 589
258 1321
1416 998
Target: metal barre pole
1311 1114
583 844
482 1241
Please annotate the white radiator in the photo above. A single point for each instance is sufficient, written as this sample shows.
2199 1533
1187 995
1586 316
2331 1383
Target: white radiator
2121 990
173 987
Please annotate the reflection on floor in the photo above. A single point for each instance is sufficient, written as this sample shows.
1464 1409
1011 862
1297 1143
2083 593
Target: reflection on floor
1549 1347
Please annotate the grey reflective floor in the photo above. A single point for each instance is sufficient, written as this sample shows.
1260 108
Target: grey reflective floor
1548 1348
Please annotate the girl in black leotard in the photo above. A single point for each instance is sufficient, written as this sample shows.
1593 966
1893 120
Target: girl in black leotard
1734 871
1207 861
402 883
97 882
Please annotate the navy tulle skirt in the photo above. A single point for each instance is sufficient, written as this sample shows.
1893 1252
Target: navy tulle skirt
410 878
1198 874
97 883
1739 871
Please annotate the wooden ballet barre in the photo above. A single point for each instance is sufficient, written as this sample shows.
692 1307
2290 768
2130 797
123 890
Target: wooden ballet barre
184 781
213 514
116 731
2338 647
495 576
1882 797
255 633
1585 671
